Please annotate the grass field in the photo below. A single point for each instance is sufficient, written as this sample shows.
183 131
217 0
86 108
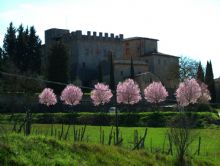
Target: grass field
19 150
210 144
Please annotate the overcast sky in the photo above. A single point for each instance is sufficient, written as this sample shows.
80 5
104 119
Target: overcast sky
184 27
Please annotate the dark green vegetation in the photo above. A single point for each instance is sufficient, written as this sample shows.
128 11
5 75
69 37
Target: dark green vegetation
209 80
20 55
112 75
150 119
58 67
40 150
22 48
132 69
200 73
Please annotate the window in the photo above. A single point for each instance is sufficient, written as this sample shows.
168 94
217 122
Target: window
122 73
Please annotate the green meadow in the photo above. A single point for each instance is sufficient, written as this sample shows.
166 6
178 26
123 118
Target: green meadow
156 140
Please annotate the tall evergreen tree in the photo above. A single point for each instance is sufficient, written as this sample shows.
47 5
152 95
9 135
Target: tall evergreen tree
112 74
21 60
132 69
34 53
200 73
58 66
1 59
209 80
9 43
100 75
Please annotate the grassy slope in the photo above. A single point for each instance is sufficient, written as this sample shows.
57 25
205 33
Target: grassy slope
210 145
39 150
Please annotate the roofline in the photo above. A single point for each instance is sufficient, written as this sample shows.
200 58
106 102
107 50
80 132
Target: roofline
160 54
136 38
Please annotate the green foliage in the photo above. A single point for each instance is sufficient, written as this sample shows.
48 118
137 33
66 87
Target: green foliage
132 69
58 66
150 119
40 150
100 74
209 80
156 119
112 74
9 43
200 73
34 51
24 49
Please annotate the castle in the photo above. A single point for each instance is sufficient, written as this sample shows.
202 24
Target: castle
87 52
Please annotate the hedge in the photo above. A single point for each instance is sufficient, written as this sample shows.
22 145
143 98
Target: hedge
151 119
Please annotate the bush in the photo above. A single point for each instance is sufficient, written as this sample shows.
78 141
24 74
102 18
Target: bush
155 119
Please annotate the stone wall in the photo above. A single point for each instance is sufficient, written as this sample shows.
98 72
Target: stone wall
137 47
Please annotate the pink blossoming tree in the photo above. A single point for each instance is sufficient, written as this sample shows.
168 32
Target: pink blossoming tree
188 92
101 94
71 95
47 97
128 92
205 94
155 93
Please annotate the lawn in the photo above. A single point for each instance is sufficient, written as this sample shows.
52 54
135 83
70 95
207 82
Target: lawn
210 144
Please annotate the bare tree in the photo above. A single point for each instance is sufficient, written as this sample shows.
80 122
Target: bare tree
187 68
182 136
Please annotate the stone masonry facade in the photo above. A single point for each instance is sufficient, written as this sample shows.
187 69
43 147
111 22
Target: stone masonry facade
88 51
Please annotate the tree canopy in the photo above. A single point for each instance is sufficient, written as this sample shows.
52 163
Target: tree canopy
58 66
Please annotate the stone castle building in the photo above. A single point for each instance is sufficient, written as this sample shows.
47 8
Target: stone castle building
87 52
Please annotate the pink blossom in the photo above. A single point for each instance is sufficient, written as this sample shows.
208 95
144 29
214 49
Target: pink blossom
128 92
71 95
205 94
155 92
47 97
101 94
188 92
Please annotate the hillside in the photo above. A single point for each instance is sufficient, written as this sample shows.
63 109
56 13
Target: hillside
39 150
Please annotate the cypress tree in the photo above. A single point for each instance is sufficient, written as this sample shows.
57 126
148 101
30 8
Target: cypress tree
209 80
132 69
21 60
9 43
200 73
100 77
58 66
112 74
34 46
1 59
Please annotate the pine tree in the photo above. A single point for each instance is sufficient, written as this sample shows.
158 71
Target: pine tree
112 74
58 66
200 73
9 43
132 69
209 80
34 46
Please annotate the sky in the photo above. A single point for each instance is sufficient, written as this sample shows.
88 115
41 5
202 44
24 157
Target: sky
184 27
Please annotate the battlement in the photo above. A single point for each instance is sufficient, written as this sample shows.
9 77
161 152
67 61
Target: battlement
53 34
95 36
